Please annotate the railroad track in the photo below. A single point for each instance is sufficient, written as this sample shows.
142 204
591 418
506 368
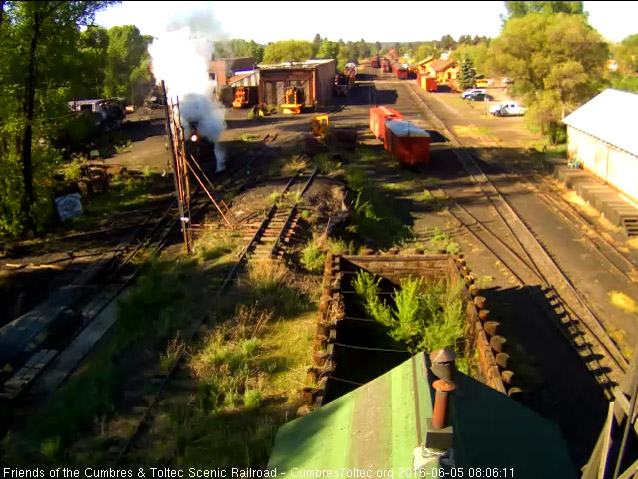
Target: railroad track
546 269
582 322
267 241
42 366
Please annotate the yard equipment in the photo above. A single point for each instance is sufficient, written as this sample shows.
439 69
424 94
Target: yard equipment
320 125
241 99
292 102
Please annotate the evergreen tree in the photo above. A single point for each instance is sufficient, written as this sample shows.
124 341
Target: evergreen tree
466 75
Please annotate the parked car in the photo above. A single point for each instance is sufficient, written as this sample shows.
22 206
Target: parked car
508 109
484 82
473 91
479 96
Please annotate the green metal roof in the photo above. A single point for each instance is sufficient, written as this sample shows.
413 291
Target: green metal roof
377 427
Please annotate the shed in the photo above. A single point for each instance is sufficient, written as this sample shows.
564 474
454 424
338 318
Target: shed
602 135
249 82
314 77
379 426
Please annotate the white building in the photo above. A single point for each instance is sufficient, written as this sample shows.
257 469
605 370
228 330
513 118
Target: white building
603 135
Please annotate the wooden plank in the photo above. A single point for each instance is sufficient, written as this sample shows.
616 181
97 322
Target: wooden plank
607 430
21 380
630 471
623 403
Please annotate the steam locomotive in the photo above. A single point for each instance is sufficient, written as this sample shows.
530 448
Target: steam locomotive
201 149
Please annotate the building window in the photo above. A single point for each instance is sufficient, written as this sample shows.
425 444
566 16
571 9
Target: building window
212 76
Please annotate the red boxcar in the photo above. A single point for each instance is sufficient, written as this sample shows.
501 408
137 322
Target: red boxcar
407 143
378 116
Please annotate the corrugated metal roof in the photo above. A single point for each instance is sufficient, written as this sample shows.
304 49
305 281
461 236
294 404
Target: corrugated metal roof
405 128
307 65
245 79
611 116
377 427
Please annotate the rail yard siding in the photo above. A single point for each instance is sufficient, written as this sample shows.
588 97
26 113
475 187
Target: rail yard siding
617 167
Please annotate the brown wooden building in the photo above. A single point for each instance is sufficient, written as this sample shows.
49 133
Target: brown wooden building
314 77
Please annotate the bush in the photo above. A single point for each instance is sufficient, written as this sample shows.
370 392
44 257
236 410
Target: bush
252 399
428 315
312 258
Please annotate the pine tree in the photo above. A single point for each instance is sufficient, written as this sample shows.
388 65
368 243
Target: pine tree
466 75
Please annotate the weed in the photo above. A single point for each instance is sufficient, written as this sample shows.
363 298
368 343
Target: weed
252 399
443 241
272 198
272 285
312 258
294 165
247 137
173 350
127 146
73 171
325 163
147 172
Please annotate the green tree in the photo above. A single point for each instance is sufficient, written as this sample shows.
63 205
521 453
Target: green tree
377 47
125 54
466 75
557 61
288 51
328 49
626 54
477 55
38 43
519 9
91 55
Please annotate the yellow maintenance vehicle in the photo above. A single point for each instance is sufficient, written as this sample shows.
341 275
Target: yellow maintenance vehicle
293 102
320 125
241 97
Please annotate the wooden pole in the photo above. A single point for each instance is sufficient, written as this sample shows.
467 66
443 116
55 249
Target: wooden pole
176 176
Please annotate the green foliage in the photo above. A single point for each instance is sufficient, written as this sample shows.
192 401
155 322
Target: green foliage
239 48
252 399
312 258
517 9
127 64
428 315
328 49
288 51
626 54
554 72
466 75
622 82
42 60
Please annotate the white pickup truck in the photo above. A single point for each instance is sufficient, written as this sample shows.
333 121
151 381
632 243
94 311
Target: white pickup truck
508 109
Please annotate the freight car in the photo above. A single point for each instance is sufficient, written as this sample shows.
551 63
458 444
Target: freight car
374 63
407 143
378 117
399 70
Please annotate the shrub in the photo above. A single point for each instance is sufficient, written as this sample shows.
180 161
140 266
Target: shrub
312 258
252 399
428 315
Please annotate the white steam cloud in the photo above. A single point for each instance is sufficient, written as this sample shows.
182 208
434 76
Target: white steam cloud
182 59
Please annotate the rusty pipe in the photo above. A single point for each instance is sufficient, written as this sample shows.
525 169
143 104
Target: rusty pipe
441 400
